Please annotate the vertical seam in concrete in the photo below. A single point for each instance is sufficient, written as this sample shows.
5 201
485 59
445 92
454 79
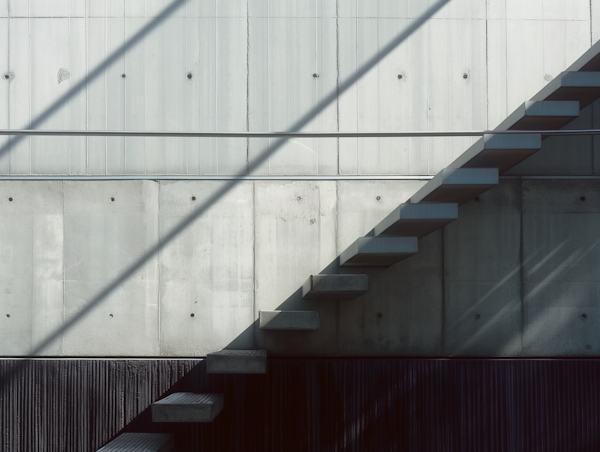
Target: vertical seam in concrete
9 139
158 255
87 92
487 68
70 104
248 85
254 316
591 25
105 89
64 275
337 84
521 268
30 79
443 329
337 316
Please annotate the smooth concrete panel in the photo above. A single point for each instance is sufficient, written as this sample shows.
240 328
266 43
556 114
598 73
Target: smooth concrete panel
295 230
108 227
561 255
206 273
482 292
401 315
31 266
4 92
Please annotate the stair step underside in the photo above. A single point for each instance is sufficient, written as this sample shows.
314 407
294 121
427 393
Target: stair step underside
583 87
541 115
378 251
288 320
140 442
335 287
499 151
187 407
237 362
416 220
457 185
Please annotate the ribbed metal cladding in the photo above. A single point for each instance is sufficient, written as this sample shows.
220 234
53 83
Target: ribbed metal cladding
310 405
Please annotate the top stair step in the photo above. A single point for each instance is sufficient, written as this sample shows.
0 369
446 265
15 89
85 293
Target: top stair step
140 442
583 87
541 115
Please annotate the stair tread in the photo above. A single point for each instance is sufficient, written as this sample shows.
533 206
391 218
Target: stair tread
237 361
416 220
541 115
140 442
289 320
457 185
378 251
583 87
187 407
335 287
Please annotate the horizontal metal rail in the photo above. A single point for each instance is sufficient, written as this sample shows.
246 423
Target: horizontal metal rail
420 134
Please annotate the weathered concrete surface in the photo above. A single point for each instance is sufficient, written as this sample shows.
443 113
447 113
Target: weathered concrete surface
237 362
187 407
140 442
295 231
288 320
108 226
31 265
482 298
335 287
561 255
206 273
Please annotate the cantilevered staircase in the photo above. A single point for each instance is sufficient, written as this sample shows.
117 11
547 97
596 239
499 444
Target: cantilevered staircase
395 238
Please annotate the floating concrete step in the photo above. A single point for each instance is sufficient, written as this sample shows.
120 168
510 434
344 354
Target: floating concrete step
457 185
187 407
335 287
237 362
499 151
379 251
288 320
416 220
140 442
584 87
541 115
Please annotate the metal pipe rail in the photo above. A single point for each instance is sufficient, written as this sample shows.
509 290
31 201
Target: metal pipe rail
421 134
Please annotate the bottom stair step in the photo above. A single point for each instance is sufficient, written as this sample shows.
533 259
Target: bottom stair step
187 407
140 442
288 320
335 287
237 362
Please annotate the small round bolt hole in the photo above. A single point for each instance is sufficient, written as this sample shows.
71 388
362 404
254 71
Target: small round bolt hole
10 199
192 314
399 76
379 315
582 198
477 198
6 76
123 76
584 316
378 198
8 315
193 198
465 76
298 198
112 199
189 75
477 316
110 315
315 75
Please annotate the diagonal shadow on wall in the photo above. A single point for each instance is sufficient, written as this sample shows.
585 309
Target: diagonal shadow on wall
198 212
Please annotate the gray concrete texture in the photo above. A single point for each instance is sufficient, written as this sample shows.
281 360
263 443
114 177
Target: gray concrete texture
236 53
288 320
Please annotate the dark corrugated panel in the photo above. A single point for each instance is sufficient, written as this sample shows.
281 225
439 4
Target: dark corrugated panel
310 405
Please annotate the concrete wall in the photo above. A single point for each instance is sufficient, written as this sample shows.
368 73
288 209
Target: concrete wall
252 63
95 269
